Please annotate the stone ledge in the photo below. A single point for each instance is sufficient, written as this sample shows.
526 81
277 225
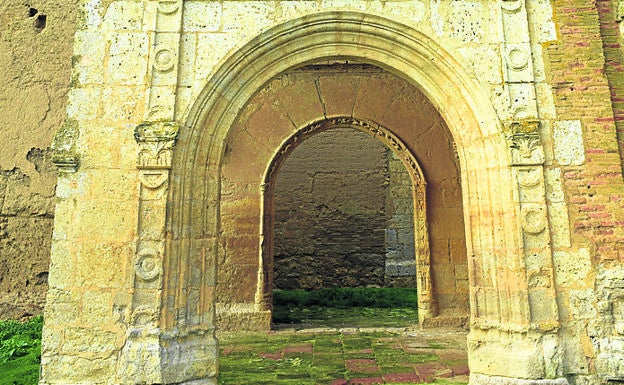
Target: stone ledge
482 379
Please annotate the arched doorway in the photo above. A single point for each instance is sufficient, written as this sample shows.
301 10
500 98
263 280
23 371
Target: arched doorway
265 133
500 312
422 257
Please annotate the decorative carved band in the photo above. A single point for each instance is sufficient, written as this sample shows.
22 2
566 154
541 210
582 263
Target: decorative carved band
386 137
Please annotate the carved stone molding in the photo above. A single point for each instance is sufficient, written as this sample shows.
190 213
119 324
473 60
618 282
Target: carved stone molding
386 137
525 143
156 141
65 157
66 161
511 6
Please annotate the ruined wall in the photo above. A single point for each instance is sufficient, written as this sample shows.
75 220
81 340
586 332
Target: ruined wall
333 211
36 39
551 68
583 67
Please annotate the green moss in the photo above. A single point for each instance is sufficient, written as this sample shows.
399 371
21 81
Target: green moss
20 351
346 297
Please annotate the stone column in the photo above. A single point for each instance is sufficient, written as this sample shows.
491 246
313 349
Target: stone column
142 353
528 334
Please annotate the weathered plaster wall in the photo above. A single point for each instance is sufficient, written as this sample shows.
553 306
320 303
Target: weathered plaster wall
36 40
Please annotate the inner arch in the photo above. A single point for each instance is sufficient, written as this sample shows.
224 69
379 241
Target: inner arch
267 130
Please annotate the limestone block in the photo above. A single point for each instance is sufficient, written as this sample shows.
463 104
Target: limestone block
89 50
582 304
124 104
246 18
97 308
466 21
73 369
83 103
211 49
545 100
63 306
560 225
541 15
202 16
568 140
123 16
103 264
492 356
523 100
412 12
610 359
484 61
61 265
554 187
91 342
92 11
573 269
119 144
187 53
127 58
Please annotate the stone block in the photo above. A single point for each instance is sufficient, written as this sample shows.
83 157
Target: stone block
127 58
124 16
568 140
201 16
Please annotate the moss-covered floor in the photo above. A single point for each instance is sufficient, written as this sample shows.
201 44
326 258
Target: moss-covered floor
381 355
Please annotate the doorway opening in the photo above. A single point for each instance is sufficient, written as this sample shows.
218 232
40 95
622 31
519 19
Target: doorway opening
343 235
290 110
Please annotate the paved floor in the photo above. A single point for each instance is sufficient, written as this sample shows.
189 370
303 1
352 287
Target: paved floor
347 356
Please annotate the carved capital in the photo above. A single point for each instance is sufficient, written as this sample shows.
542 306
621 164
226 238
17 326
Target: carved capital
66 161
525 144
156 141
65 157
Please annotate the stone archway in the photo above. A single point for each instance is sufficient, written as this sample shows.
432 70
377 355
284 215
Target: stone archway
276 115
509 318
426 303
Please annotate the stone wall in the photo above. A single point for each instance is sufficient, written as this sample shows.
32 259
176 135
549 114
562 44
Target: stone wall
36 39
530 92
339 215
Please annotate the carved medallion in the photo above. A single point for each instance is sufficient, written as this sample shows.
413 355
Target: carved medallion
511 6
533 218
147 265
517 59
168 7
164 59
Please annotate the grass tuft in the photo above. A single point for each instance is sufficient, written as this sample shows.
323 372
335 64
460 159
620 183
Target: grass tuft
20 351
